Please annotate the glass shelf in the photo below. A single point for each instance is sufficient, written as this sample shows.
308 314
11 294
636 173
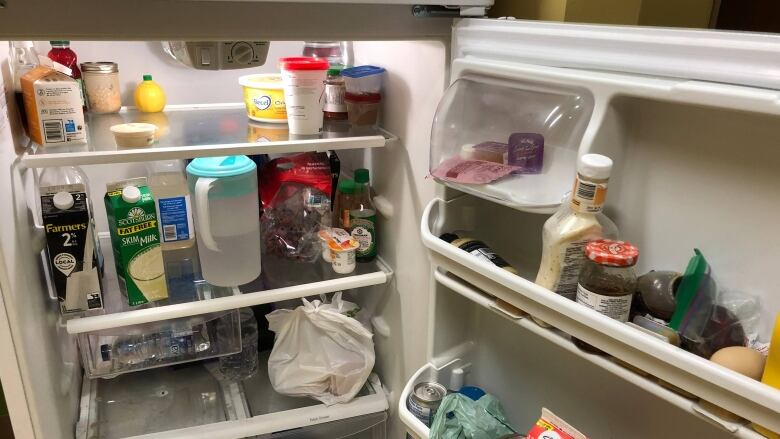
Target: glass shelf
199 131
192 298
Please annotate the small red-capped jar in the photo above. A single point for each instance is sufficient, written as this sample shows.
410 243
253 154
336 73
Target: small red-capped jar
607 281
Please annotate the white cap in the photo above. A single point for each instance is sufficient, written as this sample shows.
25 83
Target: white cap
63 200
594 166
131 194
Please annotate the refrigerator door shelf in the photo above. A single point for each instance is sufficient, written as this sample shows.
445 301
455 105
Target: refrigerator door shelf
746 397
486 356
281 280
190 131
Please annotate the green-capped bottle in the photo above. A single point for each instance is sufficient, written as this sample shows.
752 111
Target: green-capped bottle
363 218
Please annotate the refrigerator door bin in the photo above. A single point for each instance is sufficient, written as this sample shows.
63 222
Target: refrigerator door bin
734 392
528 367
115 351
484 106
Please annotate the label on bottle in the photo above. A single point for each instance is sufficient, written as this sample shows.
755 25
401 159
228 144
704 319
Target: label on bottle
572 257
616 307
364 232
334 98
176 219
587 196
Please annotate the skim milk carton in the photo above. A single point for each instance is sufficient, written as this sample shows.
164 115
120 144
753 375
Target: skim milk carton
135 238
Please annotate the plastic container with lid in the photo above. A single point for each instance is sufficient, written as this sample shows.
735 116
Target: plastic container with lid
304 86
224 194
607 282
336 52
101 85
264 97
363 109
134 135
363 79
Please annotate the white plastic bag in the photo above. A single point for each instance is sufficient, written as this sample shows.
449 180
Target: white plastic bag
319 352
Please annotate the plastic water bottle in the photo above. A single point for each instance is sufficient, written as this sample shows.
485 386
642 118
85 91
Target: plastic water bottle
137 349
243 365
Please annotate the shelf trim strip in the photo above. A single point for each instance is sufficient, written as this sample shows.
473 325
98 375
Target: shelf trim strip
140 316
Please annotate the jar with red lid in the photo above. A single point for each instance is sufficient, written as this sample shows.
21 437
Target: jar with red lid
607 281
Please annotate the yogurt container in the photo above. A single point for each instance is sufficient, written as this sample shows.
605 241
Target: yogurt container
343 258
339 248
264 97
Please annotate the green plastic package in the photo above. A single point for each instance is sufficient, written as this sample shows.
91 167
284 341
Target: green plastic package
482 419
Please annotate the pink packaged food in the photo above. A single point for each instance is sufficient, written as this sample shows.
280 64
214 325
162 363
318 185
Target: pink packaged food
458 170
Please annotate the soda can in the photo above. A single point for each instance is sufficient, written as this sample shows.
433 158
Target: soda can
424 401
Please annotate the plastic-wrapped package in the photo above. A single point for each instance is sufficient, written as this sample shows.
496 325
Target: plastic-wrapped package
708 318
291 223
460 417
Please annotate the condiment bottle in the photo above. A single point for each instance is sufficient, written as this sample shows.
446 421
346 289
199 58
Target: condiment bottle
149 96
362 218
478 249
567 232
62 53
335 108
344 201
607 281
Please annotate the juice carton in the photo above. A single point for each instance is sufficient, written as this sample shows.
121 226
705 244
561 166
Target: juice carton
135 237
52 101
73 257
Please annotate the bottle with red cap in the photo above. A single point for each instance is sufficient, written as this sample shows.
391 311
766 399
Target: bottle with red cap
607 281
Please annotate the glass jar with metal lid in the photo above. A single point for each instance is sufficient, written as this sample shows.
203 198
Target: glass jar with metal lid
101 84
607 281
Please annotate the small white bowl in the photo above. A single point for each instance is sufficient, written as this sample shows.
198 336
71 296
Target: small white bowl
134 135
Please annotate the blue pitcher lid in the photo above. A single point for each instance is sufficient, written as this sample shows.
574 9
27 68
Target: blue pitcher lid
225 166
361 71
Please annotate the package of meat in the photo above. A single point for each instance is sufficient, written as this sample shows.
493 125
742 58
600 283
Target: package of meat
458 170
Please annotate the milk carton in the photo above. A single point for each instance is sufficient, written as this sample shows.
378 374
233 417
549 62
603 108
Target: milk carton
70 248
52 101
135 238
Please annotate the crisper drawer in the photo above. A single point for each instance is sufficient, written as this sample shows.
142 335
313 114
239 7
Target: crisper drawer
114 351
155 401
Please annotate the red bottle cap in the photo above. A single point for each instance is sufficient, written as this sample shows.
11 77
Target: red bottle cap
303 63
613 253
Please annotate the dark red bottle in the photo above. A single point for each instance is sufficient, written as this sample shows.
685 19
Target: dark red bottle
62 53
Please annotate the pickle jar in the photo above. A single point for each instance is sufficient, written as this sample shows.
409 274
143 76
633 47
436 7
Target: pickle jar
101 85
607 281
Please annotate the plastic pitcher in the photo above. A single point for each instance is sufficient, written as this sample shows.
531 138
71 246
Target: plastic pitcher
224 193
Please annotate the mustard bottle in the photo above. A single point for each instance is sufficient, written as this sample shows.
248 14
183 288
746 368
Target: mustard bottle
149 96
771 375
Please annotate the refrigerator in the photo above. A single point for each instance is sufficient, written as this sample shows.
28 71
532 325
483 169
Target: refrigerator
687 116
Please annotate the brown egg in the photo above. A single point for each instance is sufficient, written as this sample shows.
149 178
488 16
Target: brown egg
748 362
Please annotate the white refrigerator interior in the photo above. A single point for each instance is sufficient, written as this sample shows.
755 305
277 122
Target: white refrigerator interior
689 118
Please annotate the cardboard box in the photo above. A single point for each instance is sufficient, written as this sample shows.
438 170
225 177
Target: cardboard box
52 101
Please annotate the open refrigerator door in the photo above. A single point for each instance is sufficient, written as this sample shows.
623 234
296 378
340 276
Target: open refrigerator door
526 102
